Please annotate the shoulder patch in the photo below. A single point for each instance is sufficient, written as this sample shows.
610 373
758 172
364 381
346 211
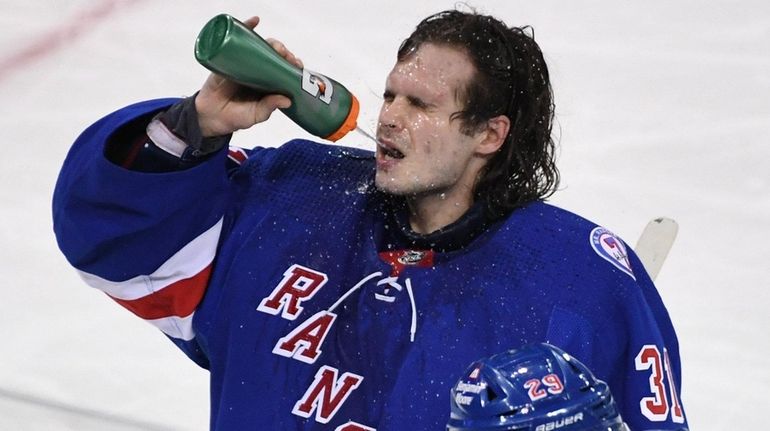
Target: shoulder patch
612 249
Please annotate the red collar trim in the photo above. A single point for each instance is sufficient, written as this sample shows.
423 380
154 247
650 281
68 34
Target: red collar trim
400 259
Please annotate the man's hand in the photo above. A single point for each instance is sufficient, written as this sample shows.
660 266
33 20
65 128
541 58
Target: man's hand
224 106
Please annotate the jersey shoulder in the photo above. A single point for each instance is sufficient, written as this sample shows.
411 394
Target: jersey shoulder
305 179
304 160
572 240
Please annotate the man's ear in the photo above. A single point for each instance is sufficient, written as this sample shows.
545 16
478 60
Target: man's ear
493 135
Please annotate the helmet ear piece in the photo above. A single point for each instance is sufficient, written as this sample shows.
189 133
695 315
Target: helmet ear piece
536 387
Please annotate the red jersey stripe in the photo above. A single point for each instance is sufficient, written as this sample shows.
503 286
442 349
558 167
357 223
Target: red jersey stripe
177 299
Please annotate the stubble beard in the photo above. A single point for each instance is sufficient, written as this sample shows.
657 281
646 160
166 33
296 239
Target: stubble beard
413 186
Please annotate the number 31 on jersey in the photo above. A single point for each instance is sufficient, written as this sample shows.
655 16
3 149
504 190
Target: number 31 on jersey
662 402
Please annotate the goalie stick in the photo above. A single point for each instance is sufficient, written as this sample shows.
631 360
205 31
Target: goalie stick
654 243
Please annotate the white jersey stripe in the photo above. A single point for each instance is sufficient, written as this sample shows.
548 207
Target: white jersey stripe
176 327
187 262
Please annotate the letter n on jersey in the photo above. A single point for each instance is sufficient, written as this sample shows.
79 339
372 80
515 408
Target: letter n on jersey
326 394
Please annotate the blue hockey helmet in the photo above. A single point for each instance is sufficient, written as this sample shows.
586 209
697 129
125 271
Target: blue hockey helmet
538 387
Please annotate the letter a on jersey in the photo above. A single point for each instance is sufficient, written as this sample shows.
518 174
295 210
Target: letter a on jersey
304 341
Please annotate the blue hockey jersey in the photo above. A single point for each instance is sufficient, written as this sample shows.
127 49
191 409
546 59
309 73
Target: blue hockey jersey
275 276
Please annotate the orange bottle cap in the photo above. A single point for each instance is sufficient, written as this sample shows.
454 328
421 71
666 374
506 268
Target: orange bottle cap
349 123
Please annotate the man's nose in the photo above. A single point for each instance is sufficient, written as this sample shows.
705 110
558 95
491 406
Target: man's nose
392 115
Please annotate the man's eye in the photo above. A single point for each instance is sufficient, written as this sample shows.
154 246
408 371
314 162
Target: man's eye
417 103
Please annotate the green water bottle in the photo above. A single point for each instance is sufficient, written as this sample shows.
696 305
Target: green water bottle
320 105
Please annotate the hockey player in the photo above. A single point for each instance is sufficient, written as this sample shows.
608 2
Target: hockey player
537 387
332 288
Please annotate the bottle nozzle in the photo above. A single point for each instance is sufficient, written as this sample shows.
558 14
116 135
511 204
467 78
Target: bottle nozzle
349 123
367 134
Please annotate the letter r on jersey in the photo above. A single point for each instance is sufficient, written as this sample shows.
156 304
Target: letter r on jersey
299 284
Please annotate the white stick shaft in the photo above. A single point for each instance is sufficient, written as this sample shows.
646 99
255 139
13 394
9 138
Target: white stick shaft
655 242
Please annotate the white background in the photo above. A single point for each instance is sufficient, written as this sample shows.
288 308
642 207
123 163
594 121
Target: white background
663 108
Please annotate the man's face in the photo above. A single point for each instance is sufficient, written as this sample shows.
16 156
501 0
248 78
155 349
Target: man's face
421 151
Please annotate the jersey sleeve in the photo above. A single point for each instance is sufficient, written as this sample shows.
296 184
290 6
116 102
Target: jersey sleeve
147 240
653 396
627 339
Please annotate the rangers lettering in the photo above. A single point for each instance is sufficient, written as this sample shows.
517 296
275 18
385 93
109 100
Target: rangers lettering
304 341
299 284
352 426
329 392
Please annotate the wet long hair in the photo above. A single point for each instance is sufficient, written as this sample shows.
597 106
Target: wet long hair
511 79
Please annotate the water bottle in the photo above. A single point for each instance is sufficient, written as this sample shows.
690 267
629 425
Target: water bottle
320 105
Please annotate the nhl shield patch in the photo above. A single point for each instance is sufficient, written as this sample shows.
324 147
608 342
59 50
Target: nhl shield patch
607 245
